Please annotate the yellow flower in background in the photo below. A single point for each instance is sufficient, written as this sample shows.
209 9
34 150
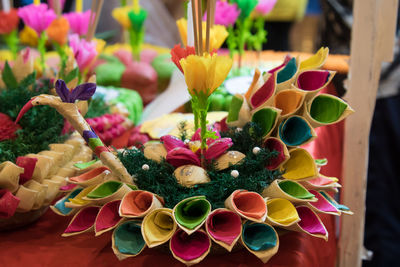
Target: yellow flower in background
218 34
120 14
204 74
28 36
100 44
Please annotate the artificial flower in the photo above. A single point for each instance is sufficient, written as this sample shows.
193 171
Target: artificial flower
84 52
38 17
8 21
58 30
204 74
225 14
79 21
245 6
137 19
218 34
81 92
120 14
180 153
28 36
7 127
178 53
265 6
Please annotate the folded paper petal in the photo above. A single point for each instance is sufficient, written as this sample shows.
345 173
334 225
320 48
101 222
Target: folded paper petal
284 63
229 159
155 151
127 240
138 203
8 204
287 74
312 80
281 212
191 175
263 95
158 227
182 156
290 190
29 166
170 142
260 239
191 213
296 131
224 227
275 144
315 61
83 221
190 249
300 166
60 207
266 118
322 205
9 176
197 137
309 223
239 111
249 205
289 101
91 177
108 217
79 200
108 191
217 148
342 208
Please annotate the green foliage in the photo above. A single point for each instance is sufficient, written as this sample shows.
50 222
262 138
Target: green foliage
159 179
97 107
41 125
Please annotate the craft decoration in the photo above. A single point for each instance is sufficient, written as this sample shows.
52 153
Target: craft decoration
8 204
82 222
300 165
224 227
322 205
316 61
27 198
158 226
309 223
311 82
108 191
322 182
84 53
289 101
9 176
108 217
60 208
263 96
190 249
287 74
281 212
79 22
191 175
229 159
260 239
225 13
290 190
266 118
276 144
138 203
92 177
341 207
191 213
296 131
248 205
78 201
127 240
41 190
155 151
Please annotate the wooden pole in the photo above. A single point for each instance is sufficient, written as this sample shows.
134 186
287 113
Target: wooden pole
372 42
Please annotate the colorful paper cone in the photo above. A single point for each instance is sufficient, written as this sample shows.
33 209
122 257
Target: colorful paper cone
281 212
239 111
108 217
322 205
311 82
79 200
190 249
83 221
127 240
224 227
296 131
287 75
92 177
315 61
249 205
263 96
137 203
60 208
260 239
290 190
300 166
275 144
266 118
158 226
344 209
309 223
191 213
108 191
9 176
289 101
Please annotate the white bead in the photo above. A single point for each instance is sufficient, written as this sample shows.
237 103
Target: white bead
256 150
186 141
234 174
145 167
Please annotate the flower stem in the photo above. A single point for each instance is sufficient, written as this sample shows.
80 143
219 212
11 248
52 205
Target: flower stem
42 49
11 40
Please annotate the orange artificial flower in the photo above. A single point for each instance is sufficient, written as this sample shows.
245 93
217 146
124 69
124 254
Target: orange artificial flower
58 30
8 21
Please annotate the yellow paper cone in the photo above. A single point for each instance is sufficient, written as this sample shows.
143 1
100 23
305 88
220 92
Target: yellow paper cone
300 166
158 226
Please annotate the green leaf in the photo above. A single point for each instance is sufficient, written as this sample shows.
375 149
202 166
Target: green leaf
28 80
74 73
8 77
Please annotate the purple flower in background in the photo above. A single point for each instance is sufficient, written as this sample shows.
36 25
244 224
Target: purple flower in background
84 52
225 14
38 17
81 92
265 6
79 21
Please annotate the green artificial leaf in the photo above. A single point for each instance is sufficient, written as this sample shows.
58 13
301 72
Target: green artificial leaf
70 76
8 77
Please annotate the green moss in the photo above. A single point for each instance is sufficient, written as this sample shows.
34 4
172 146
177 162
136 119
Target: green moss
97 107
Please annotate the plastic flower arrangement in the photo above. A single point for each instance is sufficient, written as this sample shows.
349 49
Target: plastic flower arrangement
8 28
225 14
84 53
79 22
39 18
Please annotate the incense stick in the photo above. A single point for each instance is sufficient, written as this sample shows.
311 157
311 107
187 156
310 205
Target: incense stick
93 27
208 26
92 8
200 26
196 37
213 4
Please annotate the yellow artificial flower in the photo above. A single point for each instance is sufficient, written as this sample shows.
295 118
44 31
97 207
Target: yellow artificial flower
204 74
218 33
100 44
120 14
28 36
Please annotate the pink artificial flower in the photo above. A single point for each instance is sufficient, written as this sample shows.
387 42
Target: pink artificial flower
225 14
265 6
84 52
78 21
38 17
182 153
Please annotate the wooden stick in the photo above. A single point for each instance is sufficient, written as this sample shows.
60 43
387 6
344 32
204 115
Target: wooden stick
92 9
200 25
96 20
57 7
194 14
208 26
213 3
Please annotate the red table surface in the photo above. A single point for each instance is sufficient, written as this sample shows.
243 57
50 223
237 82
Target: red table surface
41 244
